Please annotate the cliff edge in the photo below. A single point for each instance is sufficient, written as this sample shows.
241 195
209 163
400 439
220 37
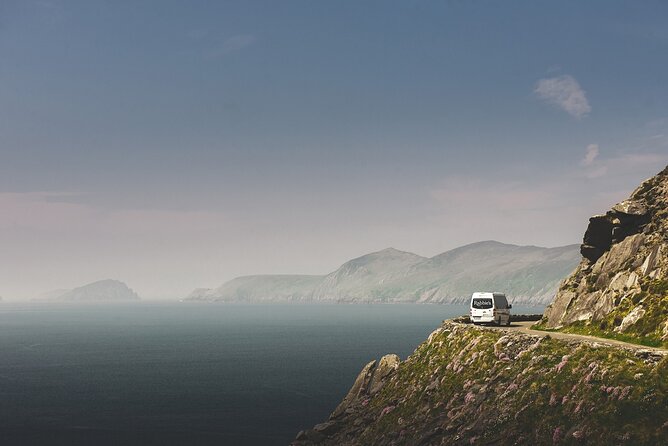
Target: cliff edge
470 385
620 288
486 386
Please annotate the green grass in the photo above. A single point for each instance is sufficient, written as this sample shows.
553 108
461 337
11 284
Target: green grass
583 328
647 331
582 380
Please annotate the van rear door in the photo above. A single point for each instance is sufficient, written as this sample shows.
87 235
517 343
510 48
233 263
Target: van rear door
501 309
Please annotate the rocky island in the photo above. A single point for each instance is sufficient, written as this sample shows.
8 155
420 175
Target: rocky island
469 385
108 290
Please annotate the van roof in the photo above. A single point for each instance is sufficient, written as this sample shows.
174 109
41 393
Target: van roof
486 294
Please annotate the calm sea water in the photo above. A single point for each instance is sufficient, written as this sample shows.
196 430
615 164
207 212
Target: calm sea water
176 373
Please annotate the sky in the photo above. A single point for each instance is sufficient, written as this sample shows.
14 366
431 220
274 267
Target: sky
175 145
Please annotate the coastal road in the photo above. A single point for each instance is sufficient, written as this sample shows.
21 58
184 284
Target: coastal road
525 327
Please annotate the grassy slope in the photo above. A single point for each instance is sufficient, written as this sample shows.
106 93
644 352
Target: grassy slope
648 330
473 383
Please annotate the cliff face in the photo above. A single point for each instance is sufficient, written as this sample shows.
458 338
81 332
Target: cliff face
620 288
468 385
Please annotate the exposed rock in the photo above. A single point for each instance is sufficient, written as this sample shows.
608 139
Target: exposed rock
650 262
370 380
630 207
358 389
613 227
326 428
620 284
598 237
386 366
468 385
613 261
631 318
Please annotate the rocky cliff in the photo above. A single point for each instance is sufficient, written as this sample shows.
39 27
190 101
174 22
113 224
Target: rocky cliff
528 274
476 385
468 385
620 288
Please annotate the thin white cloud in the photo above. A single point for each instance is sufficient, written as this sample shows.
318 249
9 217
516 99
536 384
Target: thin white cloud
590 154
232 45
564 92
594 168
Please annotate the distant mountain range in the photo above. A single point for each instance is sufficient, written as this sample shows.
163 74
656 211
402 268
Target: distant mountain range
527 274
100 291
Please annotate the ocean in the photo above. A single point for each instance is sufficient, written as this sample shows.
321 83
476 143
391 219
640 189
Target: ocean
189 373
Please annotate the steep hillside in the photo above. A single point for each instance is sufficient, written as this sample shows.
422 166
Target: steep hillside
379 276
102 290
620 288
467 385
527 274
487 386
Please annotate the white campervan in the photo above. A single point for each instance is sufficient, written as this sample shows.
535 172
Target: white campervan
490 307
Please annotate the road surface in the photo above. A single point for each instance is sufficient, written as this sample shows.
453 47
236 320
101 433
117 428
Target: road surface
525 327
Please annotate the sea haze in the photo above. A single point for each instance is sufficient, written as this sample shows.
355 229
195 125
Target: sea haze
189 373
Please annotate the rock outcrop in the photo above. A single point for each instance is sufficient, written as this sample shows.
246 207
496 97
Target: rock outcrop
468 385
620 287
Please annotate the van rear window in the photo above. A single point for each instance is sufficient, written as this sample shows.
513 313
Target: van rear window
481 303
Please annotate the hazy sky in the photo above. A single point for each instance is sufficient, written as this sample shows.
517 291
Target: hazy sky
178 144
